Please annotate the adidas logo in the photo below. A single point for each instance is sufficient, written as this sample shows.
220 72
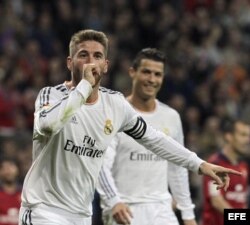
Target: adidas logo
73 120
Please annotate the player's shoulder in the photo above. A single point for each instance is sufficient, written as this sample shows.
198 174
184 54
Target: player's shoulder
59 89
111 94
108 91
166 108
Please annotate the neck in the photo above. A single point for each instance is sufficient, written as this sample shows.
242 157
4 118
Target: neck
143 105
231 154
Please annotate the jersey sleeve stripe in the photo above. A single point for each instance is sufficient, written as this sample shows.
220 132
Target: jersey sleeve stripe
58 87
105 185
138 130
47 97
41 97
45 112
61 88
44 97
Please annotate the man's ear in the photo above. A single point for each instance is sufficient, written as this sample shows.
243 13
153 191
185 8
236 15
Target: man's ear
69 63
106 66
131 72
228 136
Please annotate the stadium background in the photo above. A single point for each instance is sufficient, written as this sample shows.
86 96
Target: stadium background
207 43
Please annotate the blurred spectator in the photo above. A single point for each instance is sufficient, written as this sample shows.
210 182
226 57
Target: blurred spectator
192 119
8 148
10 192
211 131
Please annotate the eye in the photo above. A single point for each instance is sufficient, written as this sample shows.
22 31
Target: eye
99 56
82 55
158 74
146 71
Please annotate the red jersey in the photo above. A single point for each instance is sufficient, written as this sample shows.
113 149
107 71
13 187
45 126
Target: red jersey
236 194
9 207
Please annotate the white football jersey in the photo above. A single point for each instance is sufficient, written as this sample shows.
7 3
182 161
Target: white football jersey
69 141
133 174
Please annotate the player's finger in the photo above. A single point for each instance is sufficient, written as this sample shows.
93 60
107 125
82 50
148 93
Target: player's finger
218 180
231 171
227 182
87 68
220 169
129 212
121 217
118 218
126 217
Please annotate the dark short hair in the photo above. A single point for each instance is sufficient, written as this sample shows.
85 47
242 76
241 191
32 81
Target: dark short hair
229 125
148 53
88 35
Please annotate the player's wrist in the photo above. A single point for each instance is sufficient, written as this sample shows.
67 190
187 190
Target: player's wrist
84 88
187 214
113 201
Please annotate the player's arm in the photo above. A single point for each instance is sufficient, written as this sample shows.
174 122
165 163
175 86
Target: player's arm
107 189
52 113
162 145
169 149
179 186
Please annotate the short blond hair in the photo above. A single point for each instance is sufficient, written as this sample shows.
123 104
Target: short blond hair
88 35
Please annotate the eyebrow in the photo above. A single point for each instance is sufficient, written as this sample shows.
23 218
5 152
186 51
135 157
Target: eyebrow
96 52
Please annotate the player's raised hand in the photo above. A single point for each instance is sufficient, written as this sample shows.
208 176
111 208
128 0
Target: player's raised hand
91 73
218 173
121 213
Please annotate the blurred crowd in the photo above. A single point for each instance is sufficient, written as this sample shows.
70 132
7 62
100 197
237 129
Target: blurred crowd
207 43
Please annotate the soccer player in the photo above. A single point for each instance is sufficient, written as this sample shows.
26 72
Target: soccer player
10 192
134 182
74 123
237 140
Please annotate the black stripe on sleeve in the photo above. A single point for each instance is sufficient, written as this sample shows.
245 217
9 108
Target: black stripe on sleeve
24 217
41 97
138 130
105 185
44 97
58 87
30 217
47 97
44 112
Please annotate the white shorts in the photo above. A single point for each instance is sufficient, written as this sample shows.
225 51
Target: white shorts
148 214
45 215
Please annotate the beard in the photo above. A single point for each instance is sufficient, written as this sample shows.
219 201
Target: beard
77 75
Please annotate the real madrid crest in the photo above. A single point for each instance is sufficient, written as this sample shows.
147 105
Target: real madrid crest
108 128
